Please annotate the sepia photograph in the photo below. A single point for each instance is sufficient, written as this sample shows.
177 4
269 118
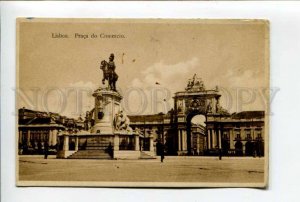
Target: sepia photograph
142 102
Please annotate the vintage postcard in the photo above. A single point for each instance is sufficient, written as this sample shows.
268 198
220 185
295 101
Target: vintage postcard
142 102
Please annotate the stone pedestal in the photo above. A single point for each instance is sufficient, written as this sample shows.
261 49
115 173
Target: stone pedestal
64 153
107 104
66 143
111 126
116 142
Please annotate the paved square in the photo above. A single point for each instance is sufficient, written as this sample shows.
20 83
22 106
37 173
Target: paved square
173 169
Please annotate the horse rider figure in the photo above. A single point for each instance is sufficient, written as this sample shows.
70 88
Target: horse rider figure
111 64
109 73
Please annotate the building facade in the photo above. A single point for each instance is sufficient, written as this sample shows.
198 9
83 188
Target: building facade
237 134
161 128
35 128
240 134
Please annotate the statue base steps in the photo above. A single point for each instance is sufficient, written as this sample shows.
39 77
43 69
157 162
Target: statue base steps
127 154
99 142
64 154
147 155
90 154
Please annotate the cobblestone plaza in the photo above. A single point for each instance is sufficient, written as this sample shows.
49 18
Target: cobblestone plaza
173 169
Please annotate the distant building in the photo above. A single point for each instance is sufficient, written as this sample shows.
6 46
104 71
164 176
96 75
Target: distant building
238 134
160 127
37 127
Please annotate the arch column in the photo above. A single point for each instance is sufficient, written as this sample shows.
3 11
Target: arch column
191 142
198 144
243 134
231 139
209 139
179 140
28 137
20 136
220 139
184 140
213 138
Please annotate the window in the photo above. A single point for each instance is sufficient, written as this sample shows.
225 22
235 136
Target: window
259 135
248 134
225 135
100 115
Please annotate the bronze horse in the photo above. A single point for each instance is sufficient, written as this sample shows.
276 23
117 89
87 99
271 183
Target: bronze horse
109 74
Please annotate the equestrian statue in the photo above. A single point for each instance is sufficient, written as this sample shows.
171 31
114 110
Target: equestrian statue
109 73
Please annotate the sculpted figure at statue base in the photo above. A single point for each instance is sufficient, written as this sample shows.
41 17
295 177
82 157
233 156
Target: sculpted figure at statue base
121 122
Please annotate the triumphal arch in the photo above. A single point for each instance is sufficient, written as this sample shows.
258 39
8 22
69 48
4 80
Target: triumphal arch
196 100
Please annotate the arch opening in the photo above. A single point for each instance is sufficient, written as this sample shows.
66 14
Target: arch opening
196 130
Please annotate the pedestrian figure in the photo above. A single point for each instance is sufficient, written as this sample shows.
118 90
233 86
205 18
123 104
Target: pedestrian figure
25 148
162 152
254 149
110 150
220 154
46 148
39 147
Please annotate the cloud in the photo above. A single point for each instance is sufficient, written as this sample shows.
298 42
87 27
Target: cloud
72 100
80 99
241 89
173 78
166 74
82 84
154 97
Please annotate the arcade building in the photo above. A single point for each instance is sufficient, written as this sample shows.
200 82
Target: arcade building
37 127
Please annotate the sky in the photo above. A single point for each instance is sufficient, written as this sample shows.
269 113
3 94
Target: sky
154 59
